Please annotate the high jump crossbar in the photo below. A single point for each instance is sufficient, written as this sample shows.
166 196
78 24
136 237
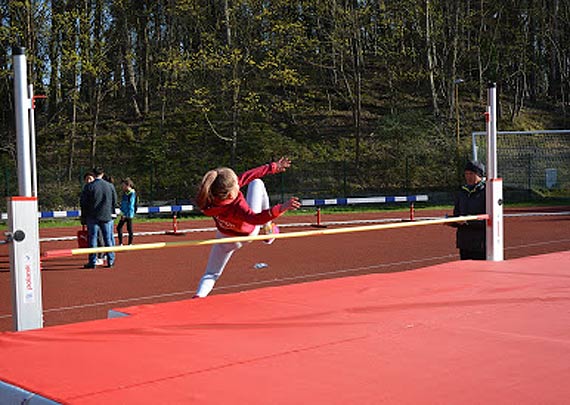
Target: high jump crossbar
333 231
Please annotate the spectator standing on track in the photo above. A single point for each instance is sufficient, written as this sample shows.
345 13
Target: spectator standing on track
219 196
470 200
128 210
98 201
88 178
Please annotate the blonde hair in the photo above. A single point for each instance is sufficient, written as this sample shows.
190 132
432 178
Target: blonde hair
216 185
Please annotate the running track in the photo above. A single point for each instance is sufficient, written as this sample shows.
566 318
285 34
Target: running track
72 294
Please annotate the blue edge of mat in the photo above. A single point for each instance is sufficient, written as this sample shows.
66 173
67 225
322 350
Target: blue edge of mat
12 395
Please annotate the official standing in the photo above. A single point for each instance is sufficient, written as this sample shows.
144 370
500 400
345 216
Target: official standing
470 200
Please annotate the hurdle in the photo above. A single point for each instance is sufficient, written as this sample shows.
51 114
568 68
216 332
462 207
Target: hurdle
76 214
57 253
320 202
161 209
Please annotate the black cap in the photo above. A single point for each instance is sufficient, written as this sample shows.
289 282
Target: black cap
18 50
476 167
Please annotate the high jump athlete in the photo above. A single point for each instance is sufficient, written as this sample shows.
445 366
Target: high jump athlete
219 196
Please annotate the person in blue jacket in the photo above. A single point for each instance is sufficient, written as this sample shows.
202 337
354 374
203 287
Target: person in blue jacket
128 210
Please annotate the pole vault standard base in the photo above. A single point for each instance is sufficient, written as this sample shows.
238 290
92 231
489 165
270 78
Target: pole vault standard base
494 196
25 263
495 244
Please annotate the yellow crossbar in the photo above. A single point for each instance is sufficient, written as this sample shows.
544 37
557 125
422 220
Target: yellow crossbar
333 231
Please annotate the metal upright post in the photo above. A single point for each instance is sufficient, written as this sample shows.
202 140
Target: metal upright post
494 196
32 121
22 106
459 169
26 280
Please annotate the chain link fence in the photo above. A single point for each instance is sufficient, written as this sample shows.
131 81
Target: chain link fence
533 162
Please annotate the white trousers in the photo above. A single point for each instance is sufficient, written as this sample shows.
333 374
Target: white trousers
220 254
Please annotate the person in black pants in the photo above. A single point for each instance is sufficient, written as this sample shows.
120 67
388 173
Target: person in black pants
128 210
470 200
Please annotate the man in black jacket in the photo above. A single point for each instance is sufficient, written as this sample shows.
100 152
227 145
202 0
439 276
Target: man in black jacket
470 200
98 201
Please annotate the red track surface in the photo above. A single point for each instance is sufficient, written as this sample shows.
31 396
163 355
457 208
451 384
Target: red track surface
72 294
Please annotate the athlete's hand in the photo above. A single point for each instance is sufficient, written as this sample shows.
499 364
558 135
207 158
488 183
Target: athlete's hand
283 164
292 204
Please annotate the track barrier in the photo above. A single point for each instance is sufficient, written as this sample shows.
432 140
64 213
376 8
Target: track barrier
320 202
174 226
333 231
362 200
163 209
319 223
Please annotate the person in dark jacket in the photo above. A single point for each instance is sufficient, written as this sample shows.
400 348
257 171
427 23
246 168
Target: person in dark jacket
88 178
98 201
470 200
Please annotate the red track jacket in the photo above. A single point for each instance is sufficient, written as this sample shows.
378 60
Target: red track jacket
235 217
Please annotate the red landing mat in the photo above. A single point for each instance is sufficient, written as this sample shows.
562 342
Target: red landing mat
456 333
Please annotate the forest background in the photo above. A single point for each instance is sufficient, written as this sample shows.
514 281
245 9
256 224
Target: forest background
366 97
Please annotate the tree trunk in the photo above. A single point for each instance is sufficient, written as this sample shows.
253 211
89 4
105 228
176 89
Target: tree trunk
227 23
54 94
132 81
357 55
453 62
144 45
430 51
71 140
128 68
235 112
97 108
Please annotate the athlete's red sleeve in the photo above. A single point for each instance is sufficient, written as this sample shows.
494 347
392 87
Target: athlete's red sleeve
256 173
